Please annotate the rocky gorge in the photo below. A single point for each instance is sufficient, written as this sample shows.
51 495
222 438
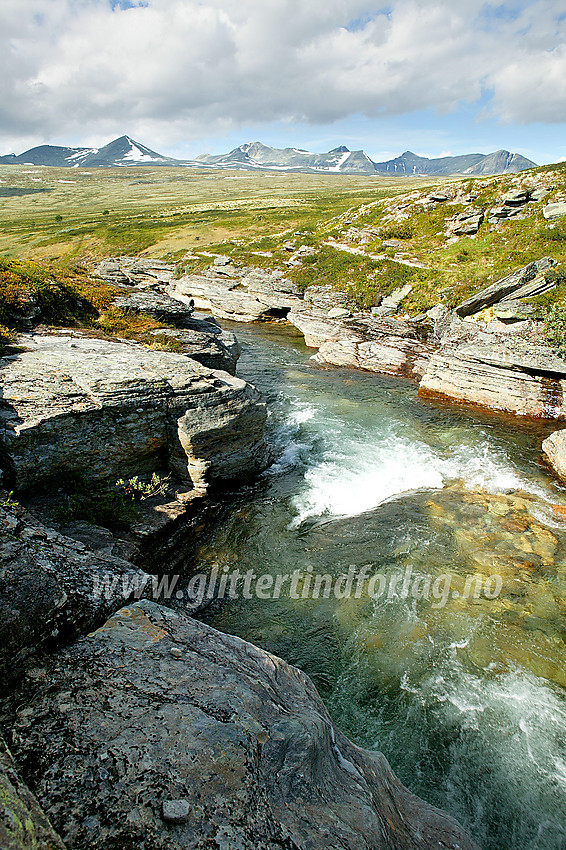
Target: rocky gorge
130 723
234 747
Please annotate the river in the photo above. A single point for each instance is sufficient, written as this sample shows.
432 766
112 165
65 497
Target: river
465 696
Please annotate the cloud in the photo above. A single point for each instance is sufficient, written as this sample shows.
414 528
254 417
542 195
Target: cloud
170 70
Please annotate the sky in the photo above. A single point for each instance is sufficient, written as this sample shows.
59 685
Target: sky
438 77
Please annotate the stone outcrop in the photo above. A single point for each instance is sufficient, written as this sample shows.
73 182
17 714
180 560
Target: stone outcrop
158 306
553 211
497 369
466 223
525 282
135 271
113 409
241 294
554 448
205 342
23 825
385 345
159 731
48 588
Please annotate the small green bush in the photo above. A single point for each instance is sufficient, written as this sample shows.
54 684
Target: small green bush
402 230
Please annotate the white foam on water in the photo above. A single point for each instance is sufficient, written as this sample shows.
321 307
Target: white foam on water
354 478
360 470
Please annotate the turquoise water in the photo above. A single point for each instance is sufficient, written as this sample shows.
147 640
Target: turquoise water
465 697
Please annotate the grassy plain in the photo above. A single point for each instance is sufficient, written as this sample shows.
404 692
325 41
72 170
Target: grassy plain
63 217
61 213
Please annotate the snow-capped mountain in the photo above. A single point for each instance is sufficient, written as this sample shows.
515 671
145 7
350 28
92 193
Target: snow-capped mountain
255 156
499 162
121 152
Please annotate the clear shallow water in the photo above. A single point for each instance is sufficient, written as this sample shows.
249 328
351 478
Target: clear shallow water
466 699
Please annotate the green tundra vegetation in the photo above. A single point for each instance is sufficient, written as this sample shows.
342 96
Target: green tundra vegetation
369 235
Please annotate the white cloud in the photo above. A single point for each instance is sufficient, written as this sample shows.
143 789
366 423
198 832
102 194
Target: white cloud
179 69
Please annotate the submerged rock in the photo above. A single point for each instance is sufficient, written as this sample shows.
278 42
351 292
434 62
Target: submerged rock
221 745
109 410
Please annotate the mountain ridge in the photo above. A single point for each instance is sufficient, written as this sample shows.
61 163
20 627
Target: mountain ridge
255 156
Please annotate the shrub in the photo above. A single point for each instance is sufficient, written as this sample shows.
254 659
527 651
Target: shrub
400 230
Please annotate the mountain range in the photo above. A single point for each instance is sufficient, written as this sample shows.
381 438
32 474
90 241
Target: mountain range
255 156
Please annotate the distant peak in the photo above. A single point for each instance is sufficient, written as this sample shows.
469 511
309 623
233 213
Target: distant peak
341 149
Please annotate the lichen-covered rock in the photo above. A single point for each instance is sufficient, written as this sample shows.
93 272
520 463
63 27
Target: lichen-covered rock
554 448
158 731
135 271
114 409
50 588
216 349
155 304
23 825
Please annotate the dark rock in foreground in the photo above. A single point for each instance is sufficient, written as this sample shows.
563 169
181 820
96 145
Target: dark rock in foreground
23 826
48 588
158 731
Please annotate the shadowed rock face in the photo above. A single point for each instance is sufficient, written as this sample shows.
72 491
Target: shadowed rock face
159 731
48 588
109 410
23 826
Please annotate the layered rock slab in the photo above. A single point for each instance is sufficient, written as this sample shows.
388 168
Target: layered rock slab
240 294
501 371
113 409
164 732
384 345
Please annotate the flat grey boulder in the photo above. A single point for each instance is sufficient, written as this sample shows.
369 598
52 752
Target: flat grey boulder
159 731
554 448
110 410
554 211
49 588
325 297
517 198
507 286
154 304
